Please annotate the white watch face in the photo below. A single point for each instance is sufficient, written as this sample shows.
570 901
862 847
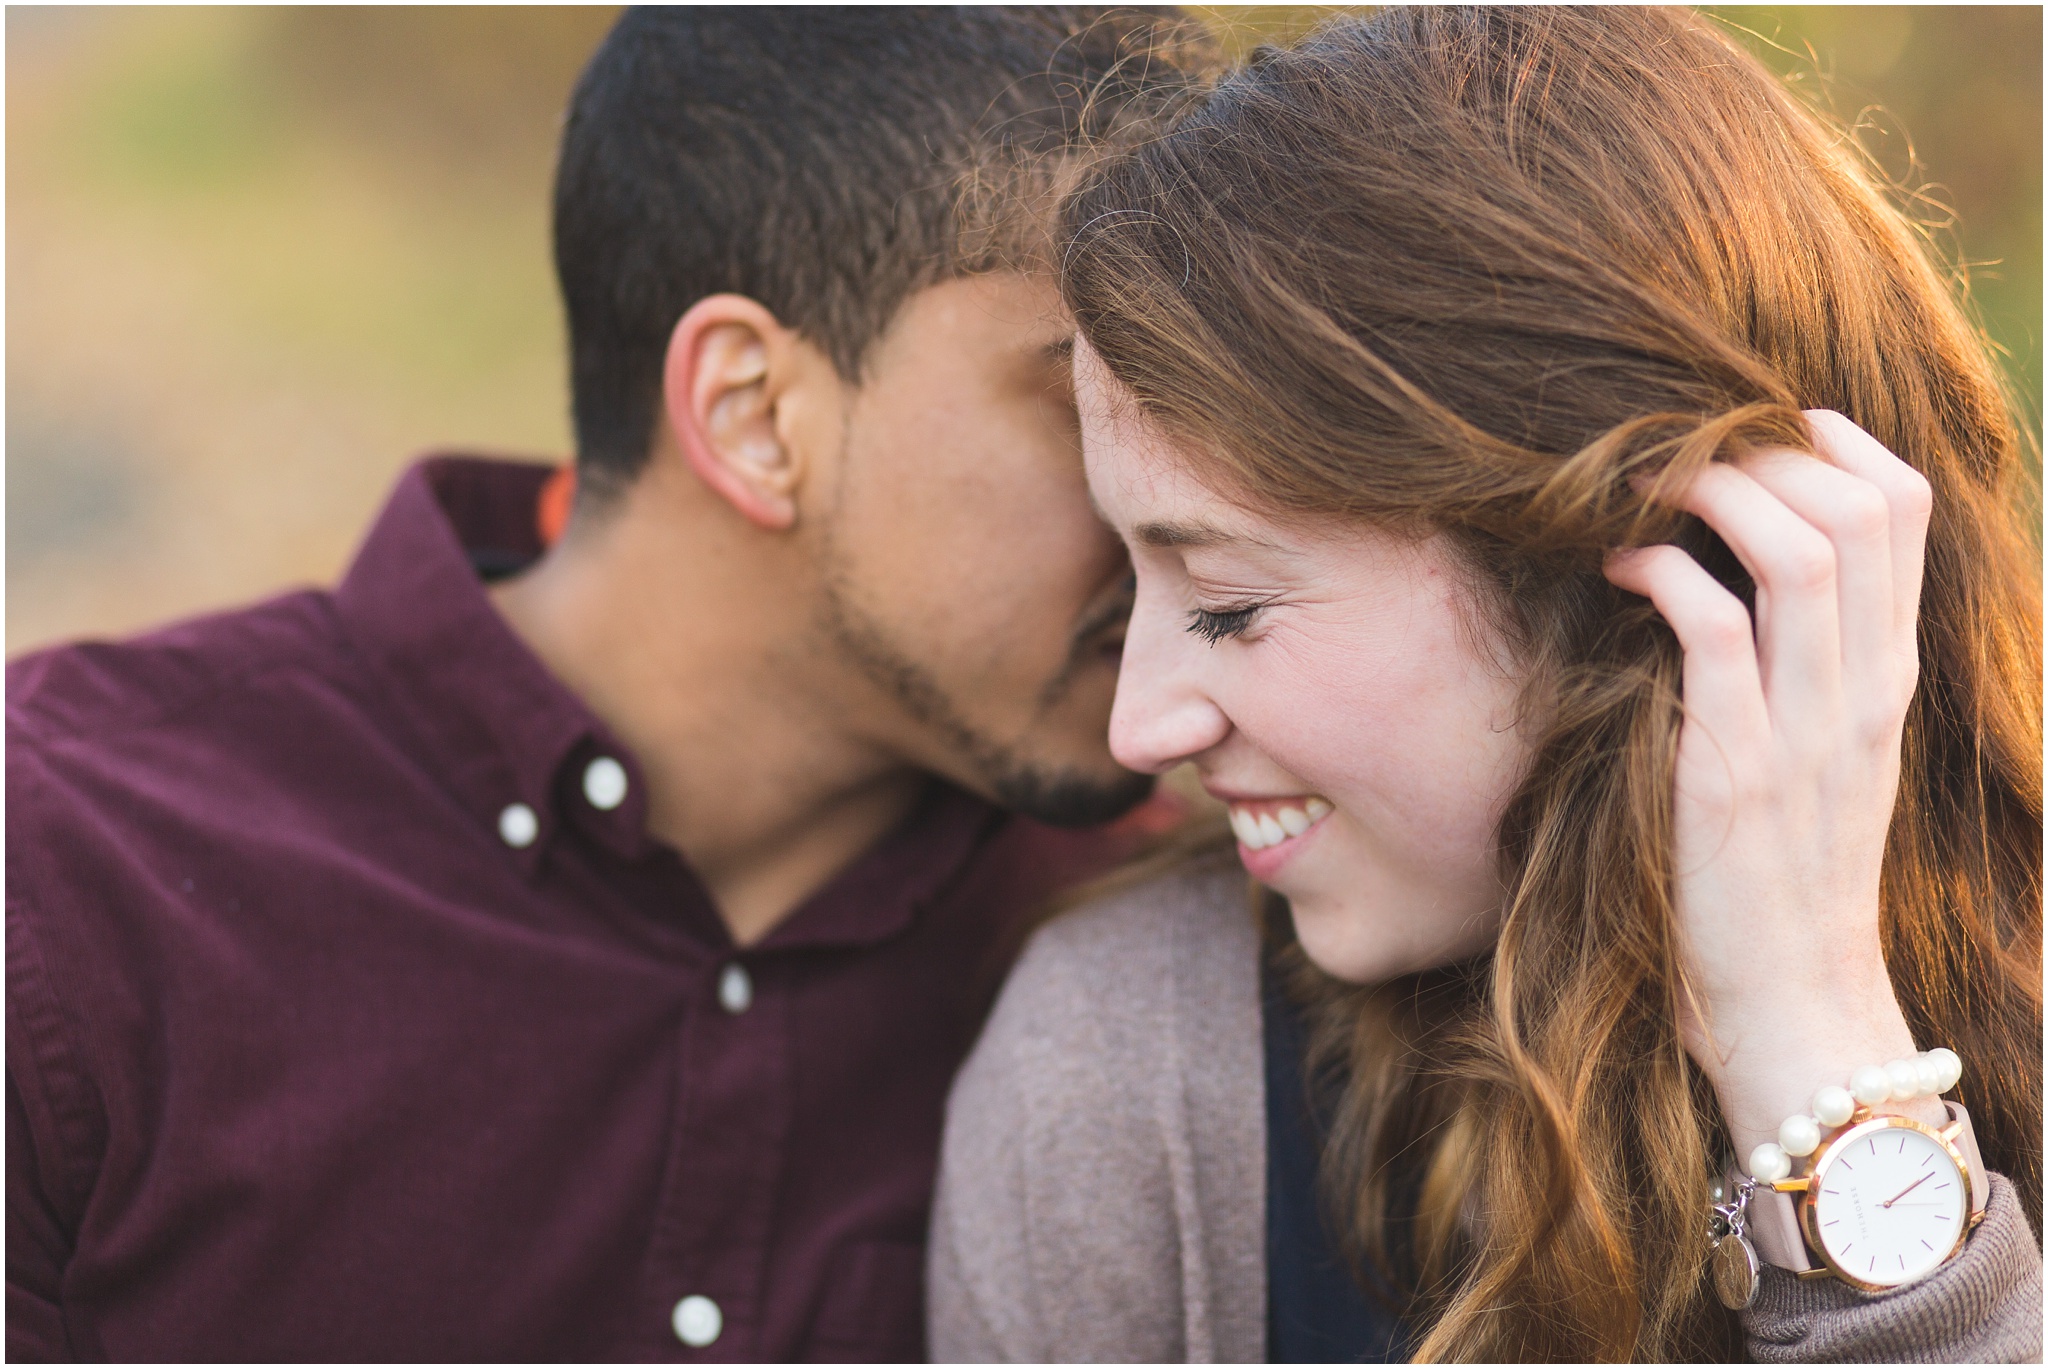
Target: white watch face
1889 1204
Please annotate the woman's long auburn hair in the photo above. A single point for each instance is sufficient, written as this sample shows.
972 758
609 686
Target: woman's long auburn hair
1468 271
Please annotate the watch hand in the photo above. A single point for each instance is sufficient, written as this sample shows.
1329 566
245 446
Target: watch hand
1909 1188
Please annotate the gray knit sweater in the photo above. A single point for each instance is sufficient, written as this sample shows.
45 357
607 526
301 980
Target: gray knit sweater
1102 1194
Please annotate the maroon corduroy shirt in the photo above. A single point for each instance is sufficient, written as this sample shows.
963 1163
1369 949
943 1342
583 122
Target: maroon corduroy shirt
353 1015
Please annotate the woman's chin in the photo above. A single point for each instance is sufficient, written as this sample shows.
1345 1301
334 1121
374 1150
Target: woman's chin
1347 942
1340 943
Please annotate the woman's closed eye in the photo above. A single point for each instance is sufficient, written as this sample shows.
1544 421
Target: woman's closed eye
1213 625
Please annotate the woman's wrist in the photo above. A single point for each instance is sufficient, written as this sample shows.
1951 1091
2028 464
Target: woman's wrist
1772 1074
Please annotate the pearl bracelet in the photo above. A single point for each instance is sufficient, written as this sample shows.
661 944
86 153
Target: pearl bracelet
1926 1075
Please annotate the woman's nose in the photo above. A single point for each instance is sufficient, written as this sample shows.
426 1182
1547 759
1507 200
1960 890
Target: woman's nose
1162 716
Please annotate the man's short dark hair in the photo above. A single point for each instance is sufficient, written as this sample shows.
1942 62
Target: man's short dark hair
811 159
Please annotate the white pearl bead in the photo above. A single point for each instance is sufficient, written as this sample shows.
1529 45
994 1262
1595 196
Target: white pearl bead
1905 1077
1799 1135
1951 1066
1870 1085
1768 1163
1929 1070
1833 1106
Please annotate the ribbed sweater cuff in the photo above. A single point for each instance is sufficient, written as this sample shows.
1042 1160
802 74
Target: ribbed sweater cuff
1984 1306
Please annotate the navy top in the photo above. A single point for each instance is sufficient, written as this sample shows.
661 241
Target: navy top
1316 1312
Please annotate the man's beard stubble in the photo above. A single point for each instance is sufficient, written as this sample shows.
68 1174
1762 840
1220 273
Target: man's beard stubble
1059 797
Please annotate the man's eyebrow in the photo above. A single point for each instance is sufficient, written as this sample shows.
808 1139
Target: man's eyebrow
1191 535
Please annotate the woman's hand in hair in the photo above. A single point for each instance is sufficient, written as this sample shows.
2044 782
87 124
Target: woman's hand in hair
1788 764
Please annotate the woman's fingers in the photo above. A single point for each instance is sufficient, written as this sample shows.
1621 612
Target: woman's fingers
1795 567
1855 517
1722 684
1908 498
1835 543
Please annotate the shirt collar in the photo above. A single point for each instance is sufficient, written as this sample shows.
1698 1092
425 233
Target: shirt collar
880 894
502 730
497 725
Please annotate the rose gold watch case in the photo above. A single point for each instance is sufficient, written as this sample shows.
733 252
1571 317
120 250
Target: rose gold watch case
1807 1186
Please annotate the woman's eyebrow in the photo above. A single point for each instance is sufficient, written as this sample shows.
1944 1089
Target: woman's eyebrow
1193 535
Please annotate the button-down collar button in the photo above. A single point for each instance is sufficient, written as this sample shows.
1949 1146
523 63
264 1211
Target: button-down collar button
697 1321
604 783
518 825
735 989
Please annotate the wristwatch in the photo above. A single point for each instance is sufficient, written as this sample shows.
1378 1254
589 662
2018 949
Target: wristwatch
1884 1201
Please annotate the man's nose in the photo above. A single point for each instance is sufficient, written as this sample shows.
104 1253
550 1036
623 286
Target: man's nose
1163 715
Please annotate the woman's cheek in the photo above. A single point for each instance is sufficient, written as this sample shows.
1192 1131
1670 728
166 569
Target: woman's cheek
1419 765
1302 693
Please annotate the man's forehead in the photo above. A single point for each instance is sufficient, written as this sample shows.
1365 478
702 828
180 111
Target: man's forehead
1029 302
999 301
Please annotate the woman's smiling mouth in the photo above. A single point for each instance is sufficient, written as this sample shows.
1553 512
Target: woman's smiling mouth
1264 823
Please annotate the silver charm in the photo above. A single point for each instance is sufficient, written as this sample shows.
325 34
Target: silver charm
1734 1259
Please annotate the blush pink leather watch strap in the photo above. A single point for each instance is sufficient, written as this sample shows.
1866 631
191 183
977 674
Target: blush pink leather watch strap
1773 1220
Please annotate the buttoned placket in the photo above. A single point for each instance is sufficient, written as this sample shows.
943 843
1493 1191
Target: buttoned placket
707 1265
708 1257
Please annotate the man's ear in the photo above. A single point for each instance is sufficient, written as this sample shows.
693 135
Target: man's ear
728 362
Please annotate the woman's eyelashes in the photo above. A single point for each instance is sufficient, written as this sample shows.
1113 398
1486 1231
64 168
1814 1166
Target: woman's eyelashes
1213 625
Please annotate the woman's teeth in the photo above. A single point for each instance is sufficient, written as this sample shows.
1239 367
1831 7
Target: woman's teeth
1269 822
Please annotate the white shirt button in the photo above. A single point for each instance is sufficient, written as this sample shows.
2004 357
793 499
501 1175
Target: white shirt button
697 1321
604 783
735 989
518 825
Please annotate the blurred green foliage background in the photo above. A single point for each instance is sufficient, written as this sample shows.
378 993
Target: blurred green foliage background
259 258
